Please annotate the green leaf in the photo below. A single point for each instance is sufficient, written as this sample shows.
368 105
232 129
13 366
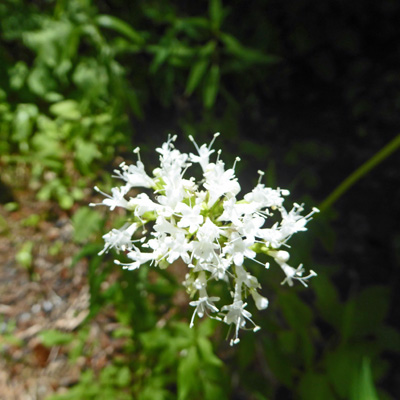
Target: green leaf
315 386
207 353
25 116
24 255
297 314
389 338
116 24
196 74
364 314
53 337
18 74
188 379
68 109
161 55
216 13
40 81
211 86
85 153
86 222
372 306
65 201
341 366
280 365
246 54
363 385
329 306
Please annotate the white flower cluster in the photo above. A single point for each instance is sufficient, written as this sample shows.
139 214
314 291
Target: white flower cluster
205 225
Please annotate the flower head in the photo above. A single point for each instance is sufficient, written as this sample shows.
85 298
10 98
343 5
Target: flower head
205 225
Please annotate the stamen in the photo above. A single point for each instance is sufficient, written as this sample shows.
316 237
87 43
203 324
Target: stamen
194 142
213 140
261 173
218 154
137 151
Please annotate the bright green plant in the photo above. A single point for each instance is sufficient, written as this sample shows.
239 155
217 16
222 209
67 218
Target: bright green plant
72 96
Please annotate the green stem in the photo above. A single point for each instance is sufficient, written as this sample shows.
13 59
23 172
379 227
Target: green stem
381 155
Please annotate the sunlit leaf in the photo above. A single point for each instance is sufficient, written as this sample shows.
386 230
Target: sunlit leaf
68 109
54 337
111 22
363 385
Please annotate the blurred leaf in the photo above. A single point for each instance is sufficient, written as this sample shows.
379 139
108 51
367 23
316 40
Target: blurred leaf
341 366
296 313
211 86
364 314
372 306
280 365
18 74
248 55
53 337
111 22
47 147
24 255
66 201
207 353
328 304
161 54
315 386
68 109
389 338
40 81
33 220
134 103
196 74
11 206
85 221
188 380
24 119
363 385
85 153
216 13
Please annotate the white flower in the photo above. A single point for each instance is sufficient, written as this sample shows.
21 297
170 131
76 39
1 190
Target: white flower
292 273
204 224
239 248
134 175
191 217
260 301
201 307
120 239
266 197
204 152
220 182
237 315
116 200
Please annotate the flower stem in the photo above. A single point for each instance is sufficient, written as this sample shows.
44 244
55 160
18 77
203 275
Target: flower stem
376 159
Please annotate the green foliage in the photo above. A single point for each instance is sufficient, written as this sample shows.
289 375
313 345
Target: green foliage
55 338
65 112
184 356
111 383
198 51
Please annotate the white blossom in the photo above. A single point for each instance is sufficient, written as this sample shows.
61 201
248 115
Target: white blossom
203 223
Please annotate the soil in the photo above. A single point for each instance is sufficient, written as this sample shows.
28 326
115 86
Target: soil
47 294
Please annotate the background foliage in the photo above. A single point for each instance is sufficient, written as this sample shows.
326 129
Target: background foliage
306 91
